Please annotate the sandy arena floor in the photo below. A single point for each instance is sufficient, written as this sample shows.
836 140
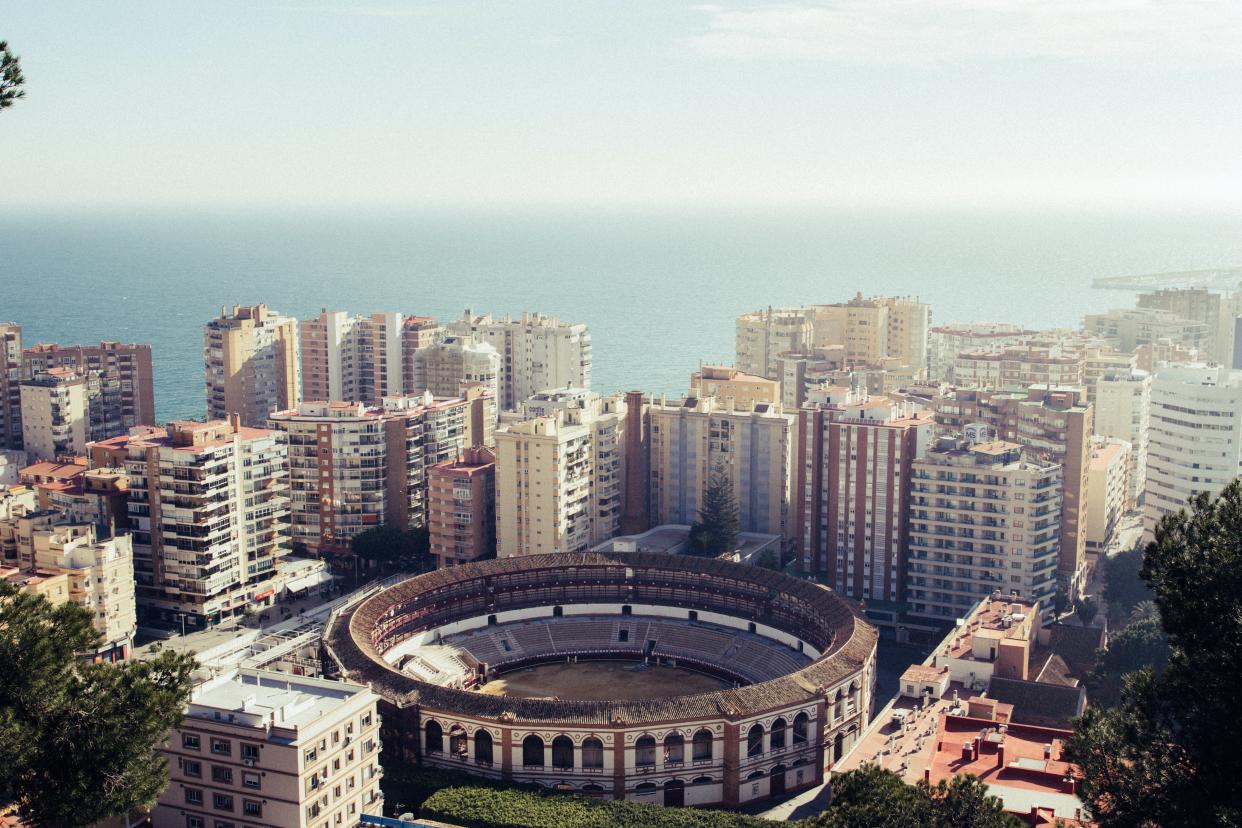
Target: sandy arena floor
601 681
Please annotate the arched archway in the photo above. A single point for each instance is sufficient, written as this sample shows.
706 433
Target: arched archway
482 747
532 751
644 752
458 742
702 748
592 753
801 722
838 747
674 749
674 793
777 735
776 782
563 753
754 741
433 738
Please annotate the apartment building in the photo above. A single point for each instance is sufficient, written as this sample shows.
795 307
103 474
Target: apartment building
690 439
99 496
10 385
1197 305
537 352
801 372
56 413
761 336
16 502
726 382
272 750
1107 490
123 366
209 510
417 332
982 518
1195 438
1052 425
461 507
1128 328
353 466
946 342
446 367
560 479
1123 412
1099 362
362 357
250 357
851 490
1018 366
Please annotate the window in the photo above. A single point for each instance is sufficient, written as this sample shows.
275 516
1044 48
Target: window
778 734
458 743
220 824
800 728
251 780
532 752
193 796
191 768
482 747
193 822
563 753
252 808
311 755
592 753
703 746
754 741
221 747
190 741
644 752
366 720
674 749
222 802
434 739
249 752
221 774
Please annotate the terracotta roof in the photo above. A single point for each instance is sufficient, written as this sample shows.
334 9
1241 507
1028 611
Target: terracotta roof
851 640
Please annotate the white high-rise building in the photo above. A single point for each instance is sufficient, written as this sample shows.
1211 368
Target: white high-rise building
537 352
1123 412
1195 440
560 479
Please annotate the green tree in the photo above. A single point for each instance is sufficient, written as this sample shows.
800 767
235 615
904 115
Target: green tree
1166 754
1140 643
1086 609
11 78
1060 602
77 739
719 520
1124 588
388 547
871 796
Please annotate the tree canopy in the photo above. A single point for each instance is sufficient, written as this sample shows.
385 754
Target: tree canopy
1166 754
389 546
871 797
719 520
1140 643
77 739
11 78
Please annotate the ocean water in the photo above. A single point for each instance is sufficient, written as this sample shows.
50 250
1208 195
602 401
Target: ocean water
659 289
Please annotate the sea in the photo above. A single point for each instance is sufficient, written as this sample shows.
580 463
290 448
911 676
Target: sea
659 288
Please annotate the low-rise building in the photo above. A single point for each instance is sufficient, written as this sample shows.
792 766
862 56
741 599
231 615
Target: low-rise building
273 750
726 382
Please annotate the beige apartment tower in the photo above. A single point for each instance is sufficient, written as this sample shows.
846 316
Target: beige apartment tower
560 479
690 439
55 414
250 356
272 750
725 382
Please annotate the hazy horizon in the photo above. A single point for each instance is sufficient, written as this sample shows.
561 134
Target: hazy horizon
1093 105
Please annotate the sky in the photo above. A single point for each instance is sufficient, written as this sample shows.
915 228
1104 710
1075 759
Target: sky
924 104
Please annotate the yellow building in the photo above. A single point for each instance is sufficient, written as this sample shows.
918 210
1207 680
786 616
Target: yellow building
726 382
251 361
689 439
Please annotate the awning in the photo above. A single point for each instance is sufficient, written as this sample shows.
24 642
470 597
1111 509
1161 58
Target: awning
308 581
267 593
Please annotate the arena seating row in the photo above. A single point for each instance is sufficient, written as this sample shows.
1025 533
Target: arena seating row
746 655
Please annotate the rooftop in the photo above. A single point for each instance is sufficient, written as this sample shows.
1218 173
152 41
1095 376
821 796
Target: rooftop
259 697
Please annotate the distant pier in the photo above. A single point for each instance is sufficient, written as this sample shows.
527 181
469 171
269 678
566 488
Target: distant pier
1228 278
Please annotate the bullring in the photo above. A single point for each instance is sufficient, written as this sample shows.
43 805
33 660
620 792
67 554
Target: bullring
796 663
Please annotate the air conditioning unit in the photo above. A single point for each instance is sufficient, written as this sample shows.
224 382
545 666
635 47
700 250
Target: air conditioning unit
248 762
